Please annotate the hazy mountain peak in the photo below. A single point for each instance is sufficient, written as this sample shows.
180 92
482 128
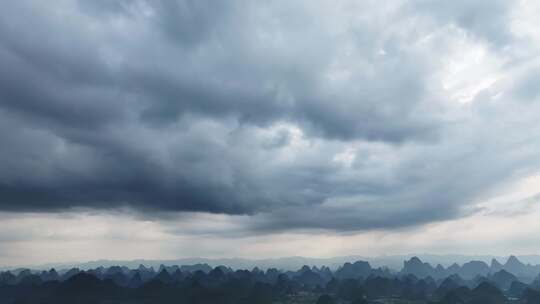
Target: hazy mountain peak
495 264
415 259
513 261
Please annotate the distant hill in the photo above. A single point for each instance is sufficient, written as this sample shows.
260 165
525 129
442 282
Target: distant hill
502 274
393 262
474 282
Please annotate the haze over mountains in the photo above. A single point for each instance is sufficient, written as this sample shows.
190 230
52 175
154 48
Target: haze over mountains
353 282
393 262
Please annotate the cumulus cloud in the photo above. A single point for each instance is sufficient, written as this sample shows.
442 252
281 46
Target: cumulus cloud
341 115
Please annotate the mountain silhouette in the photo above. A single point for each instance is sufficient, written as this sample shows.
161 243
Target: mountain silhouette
357 269
503 279
356 282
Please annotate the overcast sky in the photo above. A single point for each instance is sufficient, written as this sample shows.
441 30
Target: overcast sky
164 129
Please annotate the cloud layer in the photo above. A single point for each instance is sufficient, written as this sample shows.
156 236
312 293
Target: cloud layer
344 116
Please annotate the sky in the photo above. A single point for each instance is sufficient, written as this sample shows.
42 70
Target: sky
167 129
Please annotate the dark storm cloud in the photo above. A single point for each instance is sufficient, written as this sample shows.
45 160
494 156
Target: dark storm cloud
242 108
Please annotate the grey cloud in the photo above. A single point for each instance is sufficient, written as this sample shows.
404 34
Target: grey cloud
487 20
260 80
242 109
526 87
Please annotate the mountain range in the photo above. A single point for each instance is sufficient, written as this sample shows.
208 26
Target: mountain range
393 262
353 282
